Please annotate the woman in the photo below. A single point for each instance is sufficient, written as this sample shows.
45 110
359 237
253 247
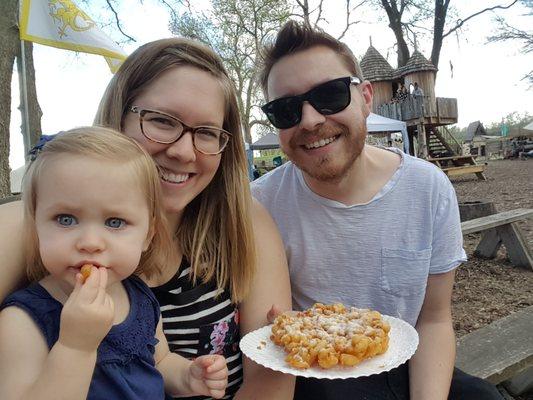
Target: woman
175 98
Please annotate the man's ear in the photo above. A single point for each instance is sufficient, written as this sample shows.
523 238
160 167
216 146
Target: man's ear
368 93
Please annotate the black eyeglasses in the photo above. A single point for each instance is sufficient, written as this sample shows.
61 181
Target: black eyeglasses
328 98
163 128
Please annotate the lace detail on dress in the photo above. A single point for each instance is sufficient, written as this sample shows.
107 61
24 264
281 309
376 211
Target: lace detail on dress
140 326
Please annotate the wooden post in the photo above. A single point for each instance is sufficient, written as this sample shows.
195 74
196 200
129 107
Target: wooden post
516 245
422 142
489 245
474 209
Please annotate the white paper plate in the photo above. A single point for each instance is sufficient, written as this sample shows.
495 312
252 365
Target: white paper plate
403 342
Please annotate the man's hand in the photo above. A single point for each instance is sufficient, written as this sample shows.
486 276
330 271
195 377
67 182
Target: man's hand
208 376
273 313
88 313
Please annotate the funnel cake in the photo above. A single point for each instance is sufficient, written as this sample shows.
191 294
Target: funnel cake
330 335
85 271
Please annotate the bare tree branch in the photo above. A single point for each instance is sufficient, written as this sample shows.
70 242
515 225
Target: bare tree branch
117 21
462 21
348 14
319 15
186 3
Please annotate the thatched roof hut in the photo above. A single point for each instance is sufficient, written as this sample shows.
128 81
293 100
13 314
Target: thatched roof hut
419 69
475 128
416 63
375 67
377 70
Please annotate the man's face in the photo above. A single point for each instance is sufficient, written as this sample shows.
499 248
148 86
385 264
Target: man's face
323 146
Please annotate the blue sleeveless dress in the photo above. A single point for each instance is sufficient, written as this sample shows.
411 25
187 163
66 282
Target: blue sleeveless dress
125 366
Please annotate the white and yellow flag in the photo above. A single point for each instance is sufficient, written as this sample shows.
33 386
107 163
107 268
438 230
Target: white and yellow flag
60 23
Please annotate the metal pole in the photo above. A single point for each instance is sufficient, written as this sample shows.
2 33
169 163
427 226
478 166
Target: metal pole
23 86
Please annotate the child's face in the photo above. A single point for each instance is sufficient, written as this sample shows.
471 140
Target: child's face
90 211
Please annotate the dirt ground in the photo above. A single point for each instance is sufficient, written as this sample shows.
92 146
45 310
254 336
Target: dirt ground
486 290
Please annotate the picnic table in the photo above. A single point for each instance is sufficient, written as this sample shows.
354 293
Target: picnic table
501 229
459 165
501 351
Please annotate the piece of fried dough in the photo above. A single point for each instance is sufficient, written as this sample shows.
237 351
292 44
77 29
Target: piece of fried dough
86 271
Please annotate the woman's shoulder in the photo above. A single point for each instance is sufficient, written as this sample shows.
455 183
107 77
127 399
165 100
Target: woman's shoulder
11 247
262 221
11 210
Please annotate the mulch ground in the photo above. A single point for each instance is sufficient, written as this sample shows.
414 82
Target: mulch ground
486 290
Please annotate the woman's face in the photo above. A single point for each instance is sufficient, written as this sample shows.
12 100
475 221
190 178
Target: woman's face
195 97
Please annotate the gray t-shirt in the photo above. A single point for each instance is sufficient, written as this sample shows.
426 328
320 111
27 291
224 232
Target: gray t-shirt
376 255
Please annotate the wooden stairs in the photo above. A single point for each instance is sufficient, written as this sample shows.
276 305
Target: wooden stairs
445 151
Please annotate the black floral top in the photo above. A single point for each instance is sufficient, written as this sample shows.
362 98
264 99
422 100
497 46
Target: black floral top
199 319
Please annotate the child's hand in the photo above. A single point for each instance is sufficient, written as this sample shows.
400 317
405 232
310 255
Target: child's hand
208 376
88 313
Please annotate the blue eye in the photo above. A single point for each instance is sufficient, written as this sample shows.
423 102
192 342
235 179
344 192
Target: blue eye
115 223
66 220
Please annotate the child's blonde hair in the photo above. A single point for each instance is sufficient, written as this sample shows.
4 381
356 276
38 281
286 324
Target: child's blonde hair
109 145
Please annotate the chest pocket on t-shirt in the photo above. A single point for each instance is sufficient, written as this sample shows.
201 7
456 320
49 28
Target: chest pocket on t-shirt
404 272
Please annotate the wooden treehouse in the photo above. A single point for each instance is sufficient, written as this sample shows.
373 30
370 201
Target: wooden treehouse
426 115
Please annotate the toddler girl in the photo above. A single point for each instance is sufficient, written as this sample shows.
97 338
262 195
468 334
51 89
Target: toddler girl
92 196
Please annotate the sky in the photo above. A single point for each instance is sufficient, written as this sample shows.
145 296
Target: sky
486 77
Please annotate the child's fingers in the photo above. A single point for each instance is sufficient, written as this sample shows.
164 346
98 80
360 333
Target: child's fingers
219 375
203 361
102 286
216 384
77 287
89 289
103 277
108 303
217 393
216 363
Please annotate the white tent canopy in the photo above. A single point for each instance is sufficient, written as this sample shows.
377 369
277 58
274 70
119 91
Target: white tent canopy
16 179
529 127
378 123
374 123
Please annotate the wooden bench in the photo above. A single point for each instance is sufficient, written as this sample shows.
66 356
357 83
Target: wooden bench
499 351
501 229
460 165
466 169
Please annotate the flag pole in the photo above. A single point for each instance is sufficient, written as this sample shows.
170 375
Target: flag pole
23 86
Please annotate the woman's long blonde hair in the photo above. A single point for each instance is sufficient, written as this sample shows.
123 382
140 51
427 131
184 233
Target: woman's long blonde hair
215 232
110 146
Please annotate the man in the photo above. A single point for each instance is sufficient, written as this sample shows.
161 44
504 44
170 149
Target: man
417 91
362 225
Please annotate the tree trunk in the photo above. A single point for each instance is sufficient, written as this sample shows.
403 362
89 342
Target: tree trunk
8 51
395 23
34 110
441 9
247 130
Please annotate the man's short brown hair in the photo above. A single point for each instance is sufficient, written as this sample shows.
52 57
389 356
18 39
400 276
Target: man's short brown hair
294 37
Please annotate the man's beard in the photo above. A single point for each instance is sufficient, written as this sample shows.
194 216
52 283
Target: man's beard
325 169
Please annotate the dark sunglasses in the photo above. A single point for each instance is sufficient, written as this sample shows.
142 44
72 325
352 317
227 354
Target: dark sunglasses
328 98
